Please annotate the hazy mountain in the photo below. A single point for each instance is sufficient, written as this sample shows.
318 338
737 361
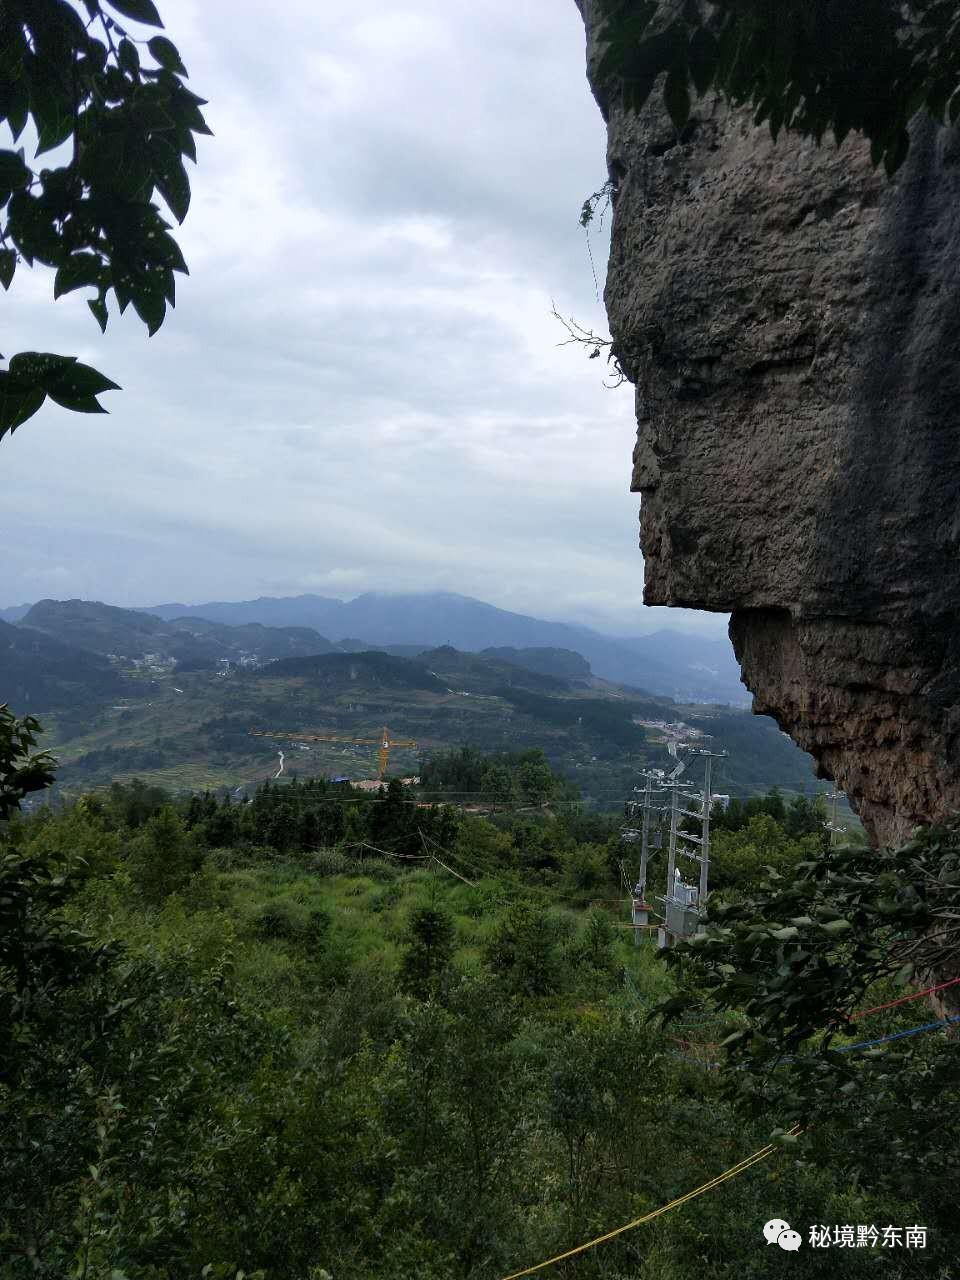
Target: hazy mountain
14 613
682 666
191 642
282 611
561 663
348 672
485 673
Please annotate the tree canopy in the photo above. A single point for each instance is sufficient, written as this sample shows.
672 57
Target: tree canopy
809 66
112 111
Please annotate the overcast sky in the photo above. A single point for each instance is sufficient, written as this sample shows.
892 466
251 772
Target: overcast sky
361 387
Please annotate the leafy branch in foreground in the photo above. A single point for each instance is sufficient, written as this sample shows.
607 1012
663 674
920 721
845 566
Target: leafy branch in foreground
84 82
796 957
810 66
22 770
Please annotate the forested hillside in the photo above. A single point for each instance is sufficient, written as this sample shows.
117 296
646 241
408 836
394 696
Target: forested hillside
190 730
323 1034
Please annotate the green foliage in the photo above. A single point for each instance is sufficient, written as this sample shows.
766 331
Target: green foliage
796 956
79 838
276 920
498 783
596 946
163 856
22 770
93 217
738 858
501 778
585 870
524 951
809 66
238 1077
536 780
428 952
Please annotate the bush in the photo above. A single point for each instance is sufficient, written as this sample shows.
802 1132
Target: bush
277 920
388 897
328 862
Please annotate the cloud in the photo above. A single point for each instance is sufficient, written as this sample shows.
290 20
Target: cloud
361 386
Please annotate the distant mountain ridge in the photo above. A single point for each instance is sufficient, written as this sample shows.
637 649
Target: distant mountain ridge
681 666
685 667
193 643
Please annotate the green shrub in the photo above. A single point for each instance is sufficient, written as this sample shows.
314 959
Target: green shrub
388 897
328 862
277 920
163 857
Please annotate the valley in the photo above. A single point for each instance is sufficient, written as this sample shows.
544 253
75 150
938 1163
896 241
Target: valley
172 703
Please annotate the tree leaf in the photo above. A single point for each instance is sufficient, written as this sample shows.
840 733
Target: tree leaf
166 250
8 265
99 308
80 270
35 368
79 404
165 53
171 178
13 171
17 403
150 306
128 58
140 10
676 96
834 927
79 381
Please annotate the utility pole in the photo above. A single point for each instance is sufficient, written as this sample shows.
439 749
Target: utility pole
670 899
629 835
833 826
641 910
684 904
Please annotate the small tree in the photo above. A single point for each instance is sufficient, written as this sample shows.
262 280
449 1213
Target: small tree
164 856
537 783
428 952
524 951
499 784
597 941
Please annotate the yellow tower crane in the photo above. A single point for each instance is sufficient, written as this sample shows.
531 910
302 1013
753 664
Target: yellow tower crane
385 742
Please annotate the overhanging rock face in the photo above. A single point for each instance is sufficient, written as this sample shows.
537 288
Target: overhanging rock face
791 323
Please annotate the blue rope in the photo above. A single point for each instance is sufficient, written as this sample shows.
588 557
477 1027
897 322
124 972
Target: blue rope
897 1035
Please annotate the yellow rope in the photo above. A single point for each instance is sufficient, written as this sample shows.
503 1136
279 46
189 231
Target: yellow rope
648 1217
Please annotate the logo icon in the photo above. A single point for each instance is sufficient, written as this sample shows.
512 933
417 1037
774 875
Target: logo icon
777 1231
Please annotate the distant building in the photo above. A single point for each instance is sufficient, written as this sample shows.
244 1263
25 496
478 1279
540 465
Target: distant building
374 784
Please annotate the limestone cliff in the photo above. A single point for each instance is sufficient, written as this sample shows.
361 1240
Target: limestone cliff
791 323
